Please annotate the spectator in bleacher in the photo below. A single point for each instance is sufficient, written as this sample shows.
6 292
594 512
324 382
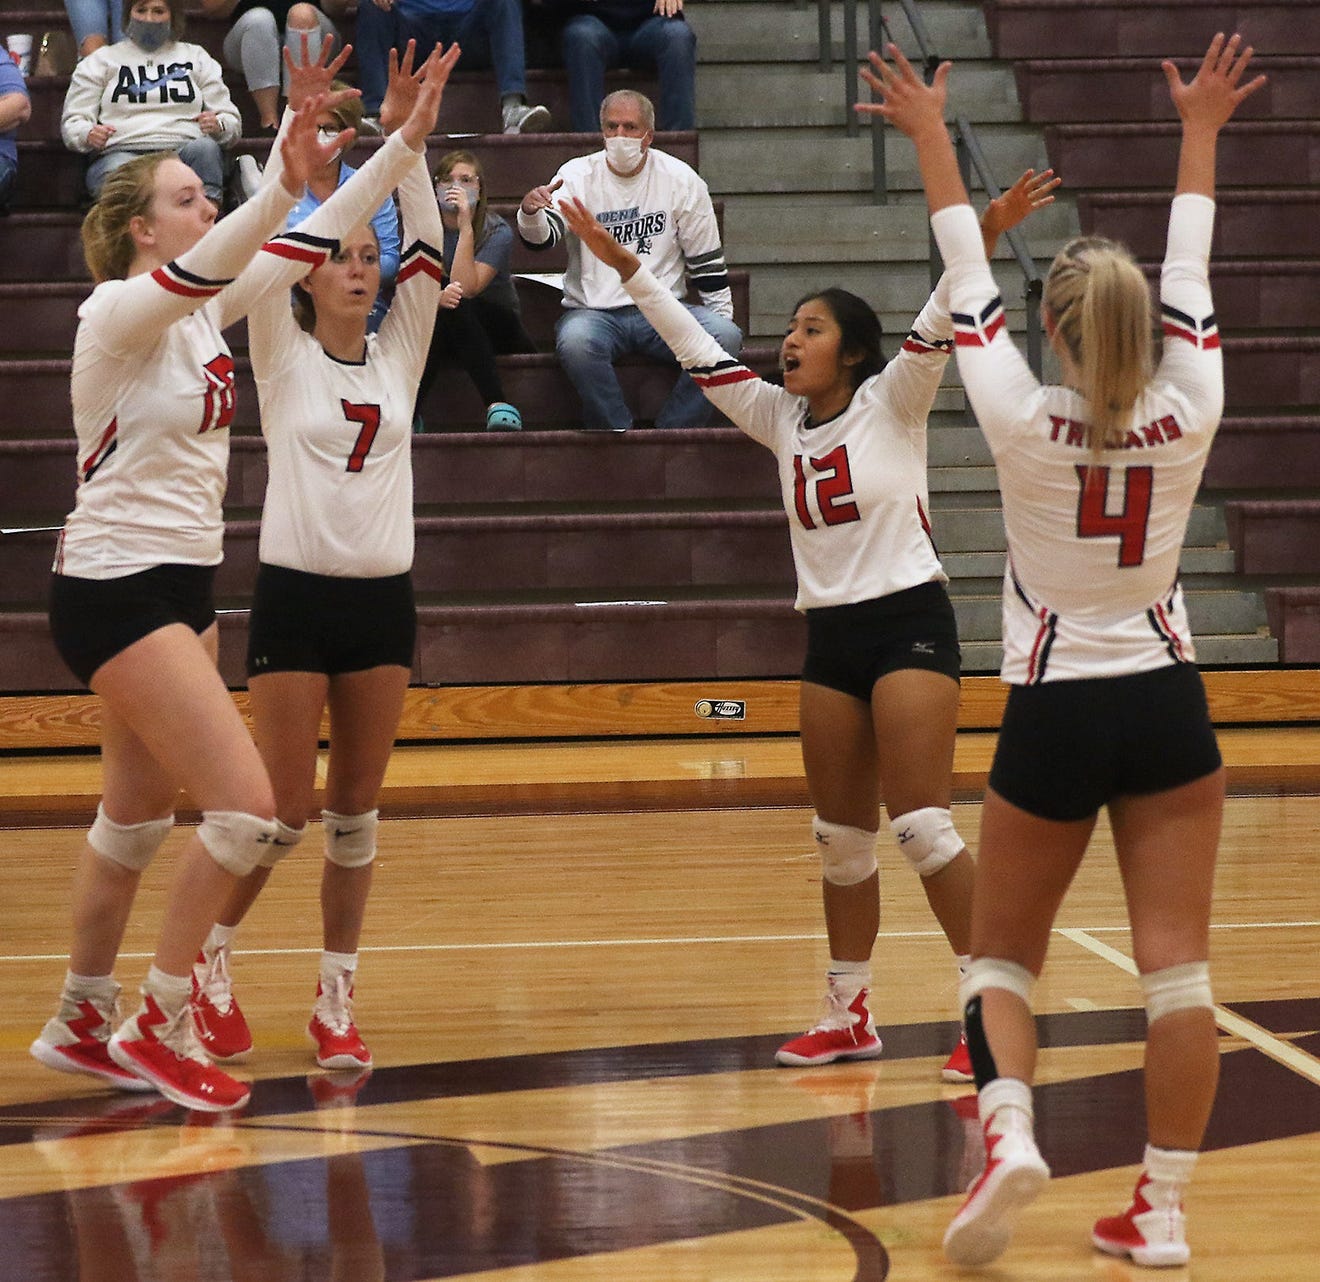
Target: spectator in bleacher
15 108
253 43
151 91
490 32
95 23
485 321
600 34
661 208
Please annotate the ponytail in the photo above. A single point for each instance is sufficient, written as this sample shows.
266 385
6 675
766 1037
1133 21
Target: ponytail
108 244
1101 307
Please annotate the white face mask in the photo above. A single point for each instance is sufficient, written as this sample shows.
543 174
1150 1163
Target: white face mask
624 154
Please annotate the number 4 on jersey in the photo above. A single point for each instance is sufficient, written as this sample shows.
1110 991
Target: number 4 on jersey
1129 525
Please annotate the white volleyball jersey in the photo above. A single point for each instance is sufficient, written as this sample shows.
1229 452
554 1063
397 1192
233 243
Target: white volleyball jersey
663 214
854 487
153 395
339 493
1091 588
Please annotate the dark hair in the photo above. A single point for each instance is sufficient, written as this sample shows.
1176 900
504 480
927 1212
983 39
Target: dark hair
859 330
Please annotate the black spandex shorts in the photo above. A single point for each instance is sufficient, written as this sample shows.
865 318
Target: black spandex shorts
304 622
850 647
1067 748
92 620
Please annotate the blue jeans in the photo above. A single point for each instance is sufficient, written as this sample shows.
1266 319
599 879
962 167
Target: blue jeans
669 45
491 33
95 17
588 343
202 155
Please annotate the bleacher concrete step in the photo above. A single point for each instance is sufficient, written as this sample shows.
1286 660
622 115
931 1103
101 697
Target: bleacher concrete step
838 163
760 95
737 31
760 227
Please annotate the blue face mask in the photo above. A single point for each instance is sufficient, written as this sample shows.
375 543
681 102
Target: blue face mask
149 35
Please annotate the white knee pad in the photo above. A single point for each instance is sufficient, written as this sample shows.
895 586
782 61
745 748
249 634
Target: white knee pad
927 839
285 840
995 972
350 840
236 841
132 846
1176 988
847 855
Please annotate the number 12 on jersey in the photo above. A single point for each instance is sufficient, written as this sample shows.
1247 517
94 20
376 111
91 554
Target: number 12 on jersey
824 485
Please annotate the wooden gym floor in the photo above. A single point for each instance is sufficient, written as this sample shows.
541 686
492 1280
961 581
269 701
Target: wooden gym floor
574 991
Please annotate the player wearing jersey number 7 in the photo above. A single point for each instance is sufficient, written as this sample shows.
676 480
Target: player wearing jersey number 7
879 691
1106 707
333 622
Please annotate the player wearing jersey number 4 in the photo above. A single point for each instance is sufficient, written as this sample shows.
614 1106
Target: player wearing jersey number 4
1106 707
131 606
879 691
333 621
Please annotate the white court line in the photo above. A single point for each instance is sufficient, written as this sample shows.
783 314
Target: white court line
644 941
1283 1052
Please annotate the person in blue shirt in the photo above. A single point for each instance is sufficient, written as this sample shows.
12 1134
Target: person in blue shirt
15 108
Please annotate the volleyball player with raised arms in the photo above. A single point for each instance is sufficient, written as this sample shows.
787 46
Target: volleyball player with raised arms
1106 707
131 601
333 622
879 690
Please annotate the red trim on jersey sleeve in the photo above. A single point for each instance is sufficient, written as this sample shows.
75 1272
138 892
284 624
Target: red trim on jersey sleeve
1201 331
301 247
979 331
176 281
723 377
421 264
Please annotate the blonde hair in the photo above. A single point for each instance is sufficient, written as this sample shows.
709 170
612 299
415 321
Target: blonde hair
347 114
1100 304
446 167
127 193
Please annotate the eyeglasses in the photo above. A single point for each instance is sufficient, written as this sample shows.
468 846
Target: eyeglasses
457 180
327 134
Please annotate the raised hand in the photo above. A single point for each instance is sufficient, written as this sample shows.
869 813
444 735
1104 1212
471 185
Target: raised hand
309 76
908 103
401 93
302 150
431 81
582 223
541 197
1031 192
1216 90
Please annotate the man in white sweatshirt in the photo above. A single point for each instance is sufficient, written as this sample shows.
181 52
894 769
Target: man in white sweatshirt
660 208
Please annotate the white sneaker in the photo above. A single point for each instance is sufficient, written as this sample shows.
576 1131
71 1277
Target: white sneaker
1152 1231
249 176
1014 1174
524 118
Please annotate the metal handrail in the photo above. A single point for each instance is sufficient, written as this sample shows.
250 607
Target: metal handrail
970 155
